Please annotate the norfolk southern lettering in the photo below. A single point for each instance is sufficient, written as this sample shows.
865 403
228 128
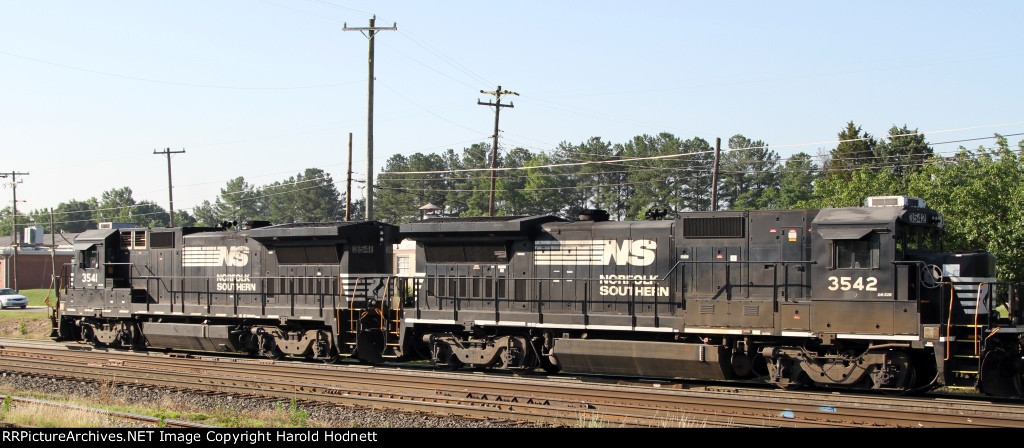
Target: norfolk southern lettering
631 285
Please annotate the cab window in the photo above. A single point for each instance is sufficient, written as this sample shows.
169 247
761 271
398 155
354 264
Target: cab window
856 254
89 259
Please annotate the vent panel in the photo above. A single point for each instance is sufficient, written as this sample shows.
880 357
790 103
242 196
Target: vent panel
718 227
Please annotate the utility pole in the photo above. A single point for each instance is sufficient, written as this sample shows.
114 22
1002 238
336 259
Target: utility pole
348 182
53 257
494 148
370 32
14 225
170 187
714 175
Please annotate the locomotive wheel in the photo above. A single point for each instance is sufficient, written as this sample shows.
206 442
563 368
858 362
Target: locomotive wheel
999 378
274 353
268 347
453 362
906 374
801 382
549 366
331 359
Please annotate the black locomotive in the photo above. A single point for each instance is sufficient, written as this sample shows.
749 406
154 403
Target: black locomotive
275 291
861 297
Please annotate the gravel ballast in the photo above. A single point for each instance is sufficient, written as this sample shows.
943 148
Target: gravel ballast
189 403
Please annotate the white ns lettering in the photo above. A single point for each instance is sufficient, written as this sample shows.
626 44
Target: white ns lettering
237 256
634 252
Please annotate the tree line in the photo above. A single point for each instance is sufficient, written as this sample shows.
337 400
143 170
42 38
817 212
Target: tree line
978 190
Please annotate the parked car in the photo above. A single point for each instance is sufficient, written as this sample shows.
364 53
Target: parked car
10 298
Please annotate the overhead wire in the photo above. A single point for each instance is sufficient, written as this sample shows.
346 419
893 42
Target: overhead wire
262 194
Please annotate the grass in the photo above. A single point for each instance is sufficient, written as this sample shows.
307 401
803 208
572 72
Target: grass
42 416
280 415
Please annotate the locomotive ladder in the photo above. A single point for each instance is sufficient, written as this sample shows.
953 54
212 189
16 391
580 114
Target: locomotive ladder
358 310
964 343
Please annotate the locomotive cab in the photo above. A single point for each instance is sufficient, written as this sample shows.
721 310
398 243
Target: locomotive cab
866 282
892 310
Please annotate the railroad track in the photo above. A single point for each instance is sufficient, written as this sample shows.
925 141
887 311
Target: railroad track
543 400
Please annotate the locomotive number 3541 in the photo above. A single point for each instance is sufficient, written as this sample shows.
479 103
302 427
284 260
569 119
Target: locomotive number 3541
848 283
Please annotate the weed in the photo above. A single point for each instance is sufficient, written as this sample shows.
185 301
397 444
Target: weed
589 421
106 395
298 416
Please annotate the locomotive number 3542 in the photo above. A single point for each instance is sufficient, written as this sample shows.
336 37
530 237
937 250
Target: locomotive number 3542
848 283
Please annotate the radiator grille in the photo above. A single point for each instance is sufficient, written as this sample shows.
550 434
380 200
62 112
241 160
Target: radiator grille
720 227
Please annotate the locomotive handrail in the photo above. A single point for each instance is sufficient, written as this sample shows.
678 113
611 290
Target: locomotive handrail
728 277
633 300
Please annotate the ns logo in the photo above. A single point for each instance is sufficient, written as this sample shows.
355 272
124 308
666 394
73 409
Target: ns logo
210 256
634 252
237 256
596 252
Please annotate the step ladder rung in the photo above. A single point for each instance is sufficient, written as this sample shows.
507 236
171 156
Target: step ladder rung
964 388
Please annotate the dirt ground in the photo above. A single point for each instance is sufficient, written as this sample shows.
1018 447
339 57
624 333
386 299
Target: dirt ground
34 327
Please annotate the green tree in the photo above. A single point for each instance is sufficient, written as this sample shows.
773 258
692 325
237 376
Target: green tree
357 210
75 216
981 197
796 183
542 187
395 196
148 214
470 186
116 205
7 221
850 189
856 149
659 175
692 184
306 197
903 152
182 218
747 171
407 184
239 202
574 180
205 215
457 189
608 177
510 194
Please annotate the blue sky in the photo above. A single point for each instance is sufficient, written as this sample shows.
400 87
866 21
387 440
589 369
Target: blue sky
265 89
